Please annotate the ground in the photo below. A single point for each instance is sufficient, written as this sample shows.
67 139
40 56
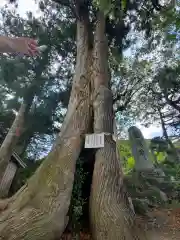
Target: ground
161 224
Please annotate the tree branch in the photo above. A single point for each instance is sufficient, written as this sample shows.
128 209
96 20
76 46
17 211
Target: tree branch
65 3
70 5
171 103
177 100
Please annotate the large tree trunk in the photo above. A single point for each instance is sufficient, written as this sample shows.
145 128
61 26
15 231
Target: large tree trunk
110 213
39 210
11 139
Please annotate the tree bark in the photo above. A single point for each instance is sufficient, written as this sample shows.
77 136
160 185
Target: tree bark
110 214
39 210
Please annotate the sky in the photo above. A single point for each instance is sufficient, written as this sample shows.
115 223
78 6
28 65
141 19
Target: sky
24 6
151 131
30 5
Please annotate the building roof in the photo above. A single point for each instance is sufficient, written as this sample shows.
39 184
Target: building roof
19 161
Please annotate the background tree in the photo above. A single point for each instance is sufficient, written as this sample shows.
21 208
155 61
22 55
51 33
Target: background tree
46 90
39 203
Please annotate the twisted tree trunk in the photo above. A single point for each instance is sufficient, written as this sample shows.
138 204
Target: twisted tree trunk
110 213
39 210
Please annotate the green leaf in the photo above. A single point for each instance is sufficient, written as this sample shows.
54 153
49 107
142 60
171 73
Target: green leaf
123 4
130 163
104 5
171 37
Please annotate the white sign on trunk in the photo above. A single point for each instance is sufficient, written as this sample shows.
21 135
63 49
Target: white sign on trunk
94 140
